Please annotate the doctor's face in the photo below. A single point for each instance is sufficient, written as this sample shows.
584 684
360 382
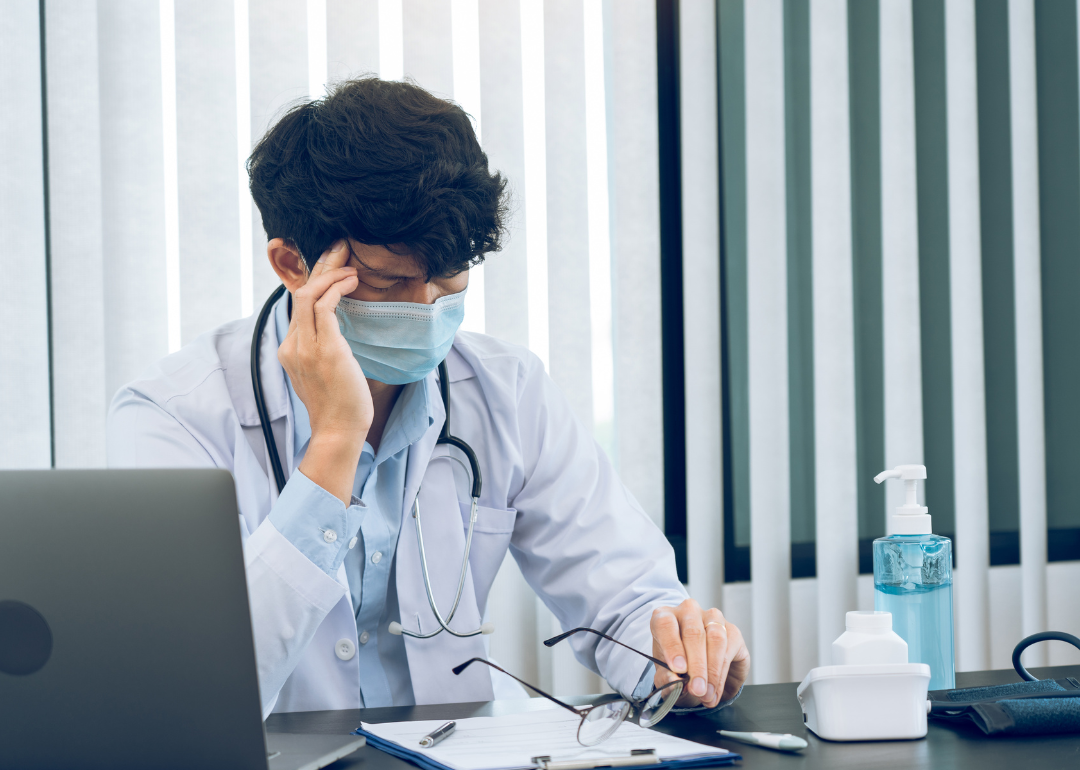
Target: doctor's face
388 277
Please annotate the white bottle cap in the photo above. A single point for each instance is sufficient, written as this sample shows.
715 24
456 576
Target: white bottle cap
868 621
910 518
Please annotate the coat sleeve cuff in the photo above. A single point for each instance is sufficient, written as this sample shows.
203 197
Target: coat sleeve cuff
645 684
317 523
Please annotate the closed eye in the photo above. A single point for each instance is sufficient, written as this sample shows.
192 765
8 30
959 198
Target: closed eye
378 288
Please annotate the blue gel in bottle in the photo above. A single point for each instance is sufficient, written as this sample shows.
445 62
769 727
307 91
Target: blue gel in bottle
913 581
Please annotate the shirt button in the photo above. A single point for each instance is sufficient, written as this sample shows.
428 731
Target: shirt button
376 557
352 543
364 637
329 535
345 649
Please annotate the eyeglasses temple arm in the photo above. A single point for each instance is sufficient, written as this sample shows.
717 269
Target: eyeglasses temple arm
556 639
459 668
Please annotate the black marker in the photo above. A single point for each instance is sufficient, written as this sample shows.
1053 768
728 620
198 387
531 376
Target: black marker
437 735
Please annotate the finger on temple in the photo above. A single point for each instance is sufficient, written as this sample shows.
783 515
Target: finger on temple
336 256
326 324
310 293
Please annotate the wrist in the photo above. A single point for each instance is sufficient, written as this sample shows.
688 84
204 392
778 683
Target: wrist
331 461
338 440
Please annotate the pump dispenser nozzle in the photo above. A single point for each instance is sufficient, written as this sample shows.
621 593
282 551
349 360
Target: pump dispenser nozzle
910 518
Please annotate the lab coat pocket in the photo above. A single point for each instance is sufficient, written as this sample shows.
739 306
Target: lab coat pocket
491 538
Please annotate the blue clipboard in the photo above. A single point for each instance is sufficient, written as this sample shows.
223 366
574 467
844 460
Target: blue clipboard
425 761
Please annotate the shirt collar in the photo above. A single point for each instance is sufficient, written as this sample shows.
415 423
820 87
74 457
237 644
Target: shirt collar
409 420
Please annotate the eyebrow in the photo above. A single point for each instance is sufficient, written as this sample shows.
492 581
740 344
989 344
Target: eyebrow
384 274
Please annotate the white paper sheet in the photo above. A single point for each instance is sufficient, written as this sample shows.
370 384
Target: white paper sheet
491 743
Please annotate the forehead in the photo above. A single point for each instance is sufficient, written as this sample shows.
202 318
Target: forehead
383 262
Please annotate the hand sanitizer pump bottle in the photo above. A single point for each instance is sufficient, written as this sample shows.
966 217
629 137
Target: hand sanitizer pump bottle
913 581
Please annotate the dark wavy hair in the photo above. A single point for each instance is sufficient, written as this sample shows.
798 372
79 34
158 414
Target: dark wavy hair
385 163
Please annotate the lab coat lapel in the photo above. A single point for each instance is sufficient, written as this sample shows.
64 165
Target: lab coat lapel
431 660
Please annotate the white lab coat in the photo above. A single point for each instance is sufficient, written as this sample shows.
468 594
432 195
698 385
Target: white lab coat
549 495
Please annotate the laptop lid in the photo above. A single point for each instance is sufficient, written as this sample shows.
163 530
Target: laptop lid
125 634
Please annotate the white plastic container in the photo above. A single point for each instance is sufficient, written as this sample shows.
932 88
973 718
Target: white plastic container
869 639
877 702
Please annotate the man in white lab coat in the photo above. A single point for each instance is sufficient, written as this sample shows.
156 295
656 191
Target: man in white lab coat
388 188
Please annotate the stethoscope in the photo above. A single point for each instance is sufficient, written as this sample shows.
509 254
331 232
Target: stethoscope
444 438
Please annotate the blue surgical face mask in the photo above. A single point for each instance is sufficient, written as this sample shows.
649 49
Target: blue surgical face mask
400 342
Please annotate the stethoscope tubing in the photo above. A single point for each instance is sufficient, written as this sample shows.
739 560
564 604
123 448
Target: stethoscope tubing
256 387
444 625
444 438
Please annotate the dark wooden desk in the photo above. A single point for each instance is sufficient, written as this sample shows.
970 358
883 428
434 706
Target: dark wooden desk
769 707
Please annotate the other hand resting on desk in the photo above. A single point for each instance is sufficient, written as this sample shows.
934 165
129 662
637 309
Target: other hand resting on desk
703 644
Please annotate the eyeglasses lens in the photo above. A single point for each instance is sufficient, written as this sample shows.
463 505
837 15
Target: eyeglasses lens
601 722
660 703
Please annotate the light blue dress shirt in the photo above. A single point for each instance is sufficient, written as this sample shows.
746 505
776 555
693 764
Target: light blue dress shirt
364 535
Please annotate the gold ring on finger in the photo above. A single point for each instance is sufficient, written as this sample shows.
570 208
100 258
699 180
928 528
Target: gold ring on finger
716 623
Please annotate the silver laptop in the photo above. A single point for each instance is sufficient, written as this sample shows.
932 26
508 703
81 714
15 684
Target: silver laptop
125 634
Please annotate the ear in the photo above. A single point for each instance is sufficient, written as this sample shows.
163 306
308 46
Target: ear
287 263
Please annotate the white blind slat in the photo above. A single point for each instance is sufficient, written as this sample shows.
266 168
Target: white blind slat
133 183
968 371
635 252
78 267
535 165
1031 432
836 489
899 247
567 204
426 45
207 182
506 295
465 39
701 301
568 248
279 76
317 47
352 38
391 40
766 298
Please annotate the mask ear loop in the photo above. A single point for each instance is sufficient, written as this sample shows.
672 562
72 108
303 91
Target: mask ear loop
1045 636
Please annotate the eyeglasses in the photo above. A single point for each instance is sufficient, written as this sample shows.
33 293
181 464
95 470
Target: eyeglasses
600 721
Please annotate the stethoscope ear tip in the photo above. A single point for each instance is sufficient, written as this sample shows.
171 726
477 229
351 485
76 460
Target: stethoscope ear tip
395 628
487 628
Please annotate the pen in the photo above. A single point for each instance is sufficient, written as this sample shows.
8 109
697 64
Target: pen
437 735
783 742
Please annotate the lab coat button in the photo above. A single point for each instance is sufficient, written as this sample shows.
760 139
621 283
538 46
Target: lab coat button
345 649
329 535
352 543
364 637
376 557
